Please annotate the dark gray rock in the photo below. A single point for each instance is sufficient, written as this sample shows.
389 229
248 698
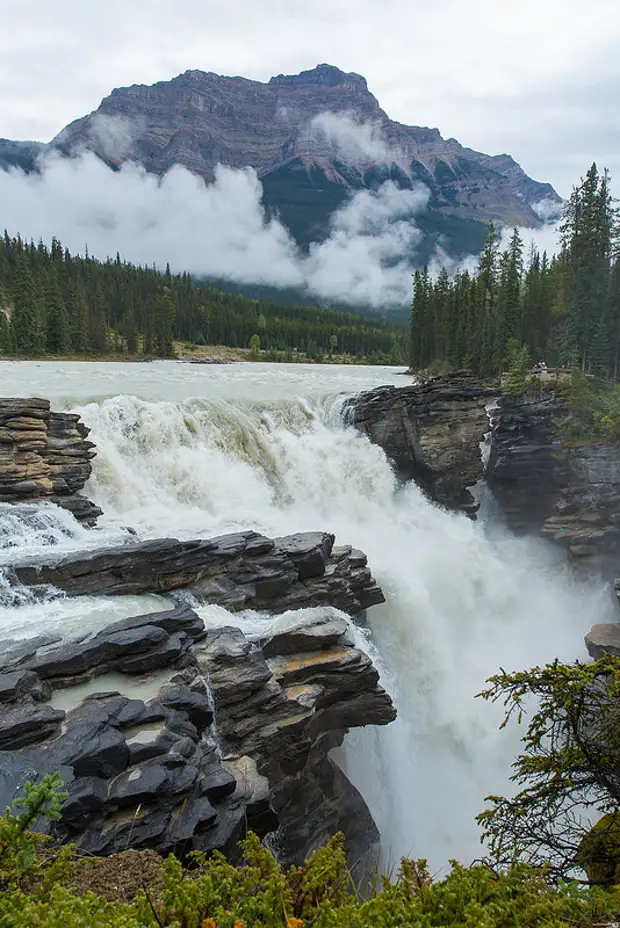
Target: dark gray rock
86 795
431 432
197 706
304 635
241 571
139 784
28 724
19 683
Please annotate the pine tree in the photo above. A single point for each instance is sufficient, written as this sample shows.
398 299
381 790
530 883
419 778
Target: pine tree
26 326
57 321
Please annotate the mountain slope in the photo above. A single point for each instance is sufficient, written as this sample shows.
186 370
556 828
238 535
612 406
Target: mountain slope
312 138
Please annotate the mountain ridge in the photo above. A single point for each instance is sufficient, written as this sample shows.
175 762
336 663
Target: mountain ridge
200 119
314 139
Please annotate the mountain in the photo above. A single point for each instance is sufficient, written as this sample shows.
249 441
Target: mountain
312 138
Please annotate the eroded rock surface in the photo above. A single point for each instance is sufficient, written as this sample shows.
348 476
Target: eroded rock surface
44 455
237 735
431 432
239 571
568 491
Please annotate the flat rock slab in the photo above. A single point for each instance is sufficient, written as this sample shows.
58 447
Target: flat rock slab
243 570
603 639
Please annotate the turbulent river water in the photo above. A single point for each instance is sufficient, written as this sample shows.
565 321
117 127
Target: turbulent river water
188 450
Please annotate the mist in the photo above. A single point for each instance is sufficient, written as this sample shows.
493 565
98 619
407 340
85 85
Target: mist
222 230
219 230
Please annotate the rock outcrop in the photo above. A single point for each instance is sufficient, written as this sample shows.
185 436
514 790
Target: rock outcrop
44 455
233 734
568 491
527 468
243 570
431 432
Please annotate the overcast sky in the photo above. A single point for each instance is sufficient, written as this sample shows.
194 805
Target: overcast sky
536 78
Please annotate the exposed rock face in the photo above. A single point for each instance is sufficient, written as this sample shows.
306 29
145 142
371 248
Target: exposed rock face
603 639
44 455
238 737
244 570
200 120
568 491
526 467
431 433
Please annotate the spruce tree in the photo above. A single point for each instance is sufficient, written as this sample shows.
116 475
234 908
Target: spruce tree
26 325
57 321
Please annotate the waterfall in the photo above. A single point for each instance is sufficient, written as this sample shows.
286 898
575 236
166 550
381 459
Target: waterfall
463 598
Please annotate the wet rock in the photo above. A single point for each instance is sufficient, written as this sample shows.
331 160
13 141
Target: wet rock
197 706
17 684
431 432
305 635
44 455
239 571
28 724
150 774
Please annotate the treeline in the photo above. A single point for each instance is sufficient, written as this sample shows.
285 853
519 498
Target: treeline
564 310
56 303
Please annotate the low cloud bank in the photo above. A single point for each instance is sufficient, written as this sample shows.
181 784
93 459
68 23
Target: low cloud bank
218 230
222 230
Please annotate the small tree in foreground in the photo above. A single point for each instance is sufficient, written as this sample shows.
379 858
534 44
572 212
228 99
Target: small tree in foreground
568 774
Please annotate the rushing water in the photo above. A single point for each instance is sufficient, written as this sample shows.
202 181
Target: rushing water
189 450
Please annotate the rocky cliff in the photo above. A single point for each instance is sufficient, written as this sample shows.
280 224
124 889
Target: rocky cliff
569 491
44 455
169 734
431 432
211 733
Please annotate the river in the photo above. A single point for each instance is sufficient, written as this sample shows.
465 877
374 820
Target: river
197 450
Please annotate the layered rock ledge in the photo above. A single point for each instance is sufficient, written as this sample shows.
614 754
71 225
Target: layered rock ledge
44 455
224 733
431 432
243 570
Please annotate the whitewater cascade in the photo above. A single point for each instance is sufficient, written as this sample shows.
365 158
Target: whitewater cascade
463 598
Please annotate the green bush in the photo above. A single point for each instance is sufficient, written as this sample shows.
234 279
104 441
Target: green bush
211 893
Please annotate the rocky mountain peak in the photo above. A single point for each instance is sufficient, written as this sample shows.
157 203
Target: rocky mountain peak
325 74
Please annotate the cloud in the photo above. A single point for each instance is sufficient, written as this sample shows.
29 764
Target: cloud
220 230
353 140
113 135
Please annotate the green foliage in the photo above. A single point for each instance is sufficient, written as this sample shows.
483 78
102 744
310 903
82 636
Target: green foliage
254 347
517 379
568 773
594 408
20 847
213 893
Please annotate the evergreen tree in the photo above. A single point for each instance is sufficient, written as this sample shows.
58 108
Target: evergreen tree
26 325
57 321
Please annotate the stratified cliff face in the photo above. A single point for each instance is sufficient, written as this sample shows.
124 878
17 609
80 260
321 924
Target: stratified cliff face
569 491
44 455
431 432
201 119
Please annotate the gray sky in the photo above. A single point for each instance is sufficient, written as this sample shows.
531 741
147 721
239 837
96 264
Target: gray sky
539 79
